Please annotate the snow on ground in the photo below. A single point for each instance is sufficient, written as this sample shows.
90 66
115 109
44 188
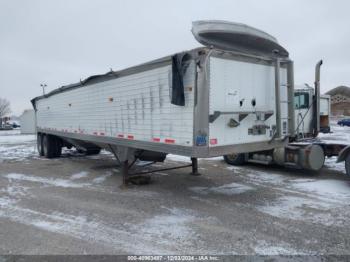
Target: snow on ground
187 159
46 181
79 175
228 189
312 199
331 163
340 134
323 201
14 146
102 178
10 132
171 227
263 248
178 158
77 226
325 187
172 224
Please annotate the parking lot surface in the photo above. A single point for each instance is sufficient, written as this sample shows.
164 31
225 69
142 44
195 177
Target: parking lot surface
76 205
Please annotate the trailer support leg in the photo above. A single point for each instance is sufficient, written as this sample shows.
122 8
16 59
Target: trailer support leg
125 172
195 167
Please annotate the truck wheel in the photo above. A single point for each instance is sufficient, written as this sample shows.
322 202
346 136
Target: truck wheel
235 159
39 144
347 164
49 146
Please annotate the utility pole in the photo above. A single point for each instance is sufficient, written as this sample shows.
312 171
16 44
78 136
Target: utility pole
43 87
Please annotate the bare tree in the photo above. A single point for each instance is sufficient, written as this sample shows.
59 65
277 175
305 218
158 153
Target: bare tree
4 108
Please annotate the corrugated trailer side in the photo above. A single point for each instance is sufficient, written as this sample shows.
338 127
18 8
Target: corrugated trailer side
134 107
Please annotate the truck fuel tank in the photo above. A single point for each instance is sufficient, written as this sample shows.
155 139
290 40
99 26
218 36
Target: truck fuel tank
310 157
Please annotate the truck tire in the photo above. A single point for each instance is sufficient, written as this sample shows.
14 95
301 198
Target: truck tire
49 146
39 144
347 164
235 159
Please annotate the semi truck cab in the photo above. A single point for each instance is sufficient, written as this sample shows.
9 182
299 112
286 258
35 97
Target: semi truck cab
304 111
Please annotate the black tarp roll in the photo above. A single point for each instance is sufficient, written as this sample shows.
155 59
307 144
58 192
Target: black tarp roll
178 71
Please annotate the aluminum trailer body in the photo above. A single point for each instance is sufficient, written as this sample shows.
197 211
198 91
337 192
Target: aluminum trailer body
133 107
204 102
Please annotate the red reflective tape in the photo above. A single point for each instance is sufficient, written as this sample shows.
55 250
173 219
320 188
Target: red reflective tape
213 141
95 133
121 136
169 141
102 134
155 139
130 137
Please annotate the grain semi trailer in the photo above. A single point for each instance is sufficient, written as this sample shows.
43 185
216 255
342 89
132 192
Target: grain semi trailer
230 96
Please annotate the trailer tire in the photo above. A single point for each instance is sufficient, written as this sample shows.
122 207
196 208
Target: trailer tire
235 159
347 164
58 146
49 146
39 144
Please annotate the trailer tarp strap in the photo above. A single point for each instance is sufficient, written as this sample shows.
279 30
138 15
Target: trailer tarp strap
178 71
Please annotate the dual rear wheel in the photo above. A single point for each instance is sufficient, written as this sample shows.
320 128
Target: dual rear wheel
49 146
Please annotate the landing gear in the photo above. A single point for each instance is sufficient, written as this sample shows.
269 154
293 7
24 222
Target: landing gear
195 167
127 158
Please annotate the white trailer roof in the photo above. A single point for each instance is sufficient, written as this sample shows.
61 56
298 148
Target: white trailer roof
236 37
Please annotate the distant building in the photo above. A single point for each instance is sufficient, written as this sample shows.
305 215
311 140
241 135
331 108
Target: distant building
27 120
340 100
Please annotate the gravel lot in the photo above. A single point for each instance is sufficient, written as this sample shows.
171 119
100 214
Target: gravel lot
75 205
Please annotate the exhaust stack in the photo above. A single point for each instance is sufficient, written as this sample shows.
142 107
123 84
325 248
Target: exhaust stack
316 104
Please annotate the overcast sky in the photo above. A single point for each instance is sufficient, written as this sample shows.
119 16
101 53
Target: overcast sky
59 42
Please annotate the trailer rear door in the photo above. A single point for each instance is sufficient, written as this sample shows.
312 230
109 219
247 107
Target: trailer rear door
242 102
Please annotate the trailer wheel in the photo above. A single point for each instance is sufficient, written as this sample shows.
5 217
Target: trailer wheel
49 146
347 164
39 144
235 159
58 146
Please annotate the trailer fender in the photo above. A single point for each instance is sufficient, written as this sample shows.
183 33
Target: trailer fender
342 154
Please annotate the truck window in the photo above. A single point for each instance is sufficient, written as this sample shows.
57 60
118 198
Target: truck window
301 100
